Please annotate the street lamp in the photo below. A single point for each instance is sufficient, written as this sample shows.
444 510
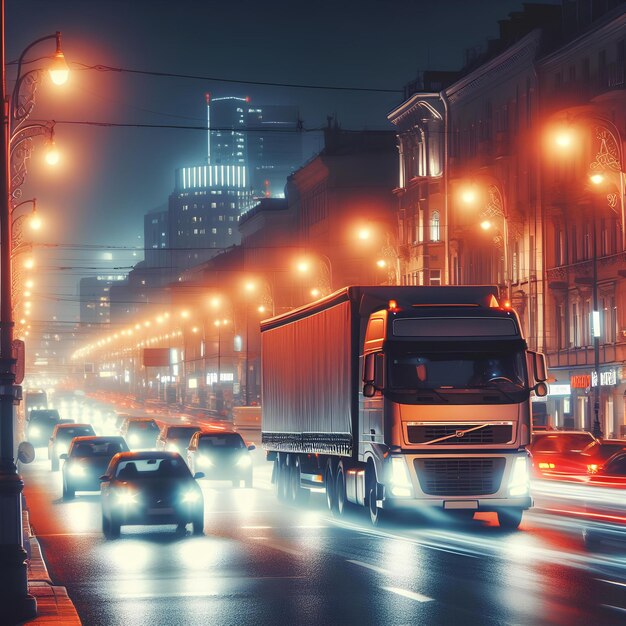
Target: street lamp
389 258
17 604
326 281
494 207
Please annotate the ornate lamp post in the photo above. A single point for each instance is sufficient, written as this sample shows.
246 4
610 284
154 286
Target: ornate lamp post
17 604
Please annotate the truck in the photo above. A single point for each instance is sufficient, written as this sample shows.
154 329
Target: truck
399 398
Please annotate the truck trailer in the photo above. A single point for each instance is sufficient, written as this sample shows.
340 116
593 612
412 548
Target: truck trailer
401 397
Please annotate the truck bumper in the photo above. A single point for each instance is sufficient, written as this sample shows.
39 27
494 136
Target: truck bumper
467 481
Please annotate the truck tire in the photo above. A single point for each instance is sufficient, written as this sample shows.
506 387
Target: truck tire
510 519
281 479
331 492
343 505
297 494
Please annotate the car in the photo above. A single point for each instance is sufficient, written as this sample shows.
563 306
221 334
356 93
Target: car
556 453
41 424
175 437
595 455
140 432
605 503
221 456
86 460
61 437
150 487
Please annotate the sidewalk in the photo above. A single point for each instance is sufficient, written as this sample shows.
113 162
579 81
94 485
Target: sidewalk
53 604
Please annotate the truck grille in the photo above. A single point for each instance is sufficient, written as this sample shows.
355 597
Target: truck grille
459 477
494 433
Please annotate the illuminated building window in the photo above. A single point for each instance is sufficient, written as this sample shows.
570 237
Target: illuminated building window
434 227
214 231
214 205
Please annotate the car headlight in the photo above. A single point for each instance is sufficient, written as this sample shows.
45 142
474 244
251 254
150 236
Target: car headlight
518 482
61 448
191 497
126 498
77 470
133 439
244 461
34 431
204 461
172 447
400 481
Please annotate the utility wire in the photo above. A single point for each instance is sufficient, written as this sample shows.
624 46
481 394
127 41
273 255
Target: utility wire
108 68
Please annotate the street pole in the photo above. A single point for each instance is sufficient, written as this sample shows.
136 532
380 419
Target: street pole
247 354
595 326
17 605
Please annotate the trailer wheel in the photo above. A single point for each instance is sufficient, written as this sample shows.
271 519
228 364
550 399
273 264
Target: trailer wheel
331 493
343 504
298 495
281 478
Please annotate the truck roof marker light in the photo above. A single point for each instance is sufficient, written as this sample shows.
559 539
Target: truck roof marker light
393 305
507 305
493 303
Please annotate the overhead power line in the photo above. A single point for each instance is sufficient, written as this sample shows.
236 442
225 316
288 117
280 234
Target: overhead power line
126 70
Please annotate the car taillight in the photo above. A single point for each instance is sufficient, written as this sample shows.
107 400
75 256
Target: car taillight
544 465
592 468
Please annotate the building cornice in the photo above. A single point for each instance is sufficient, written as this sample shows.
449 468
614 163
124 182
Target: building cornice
606 31
416 101
494 71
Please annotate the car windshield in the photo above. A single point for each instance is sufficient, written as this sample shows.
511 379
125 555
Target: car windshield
217 442
574 442
142 426
104 448
603 450
74 431
415 369
137 469
181 432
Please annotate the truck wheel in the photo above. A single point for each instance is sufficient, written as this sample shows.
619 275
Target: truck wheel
297 494
510 519
331 493
281 480
343 505
377 515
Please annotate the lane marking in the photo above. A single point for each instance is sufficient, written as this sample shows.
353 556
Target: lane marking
418 597
374 568
611 582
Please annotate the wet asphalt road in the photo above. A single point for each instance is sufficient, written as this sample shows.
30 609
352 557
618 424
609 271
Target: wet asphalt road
261 562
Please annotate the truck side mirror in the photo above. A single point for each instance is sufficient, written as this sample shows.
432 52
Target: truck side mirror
537 366
541 390
369 368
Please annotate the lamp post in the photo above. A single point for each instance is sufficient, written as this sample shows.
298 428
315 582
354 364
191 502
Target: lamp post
495 206
17 604
390 259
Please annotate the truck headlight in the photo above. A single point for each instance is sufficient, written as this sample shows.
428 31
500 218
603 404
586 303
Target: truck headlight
133 439
399 480
518 482
244 461
34 431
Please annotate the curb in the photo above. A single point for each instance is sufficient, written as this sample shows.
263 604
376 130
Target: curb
54 606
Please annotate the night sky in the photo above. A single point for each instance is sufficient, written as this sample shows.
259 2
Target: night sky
110 177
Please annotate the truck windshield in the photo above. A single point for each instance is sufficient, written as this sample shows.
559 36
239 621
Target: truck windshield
414 369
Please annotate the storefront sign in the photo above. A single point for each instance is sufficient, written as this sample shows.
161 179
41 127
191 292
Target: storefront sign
581 381
607 378
559 390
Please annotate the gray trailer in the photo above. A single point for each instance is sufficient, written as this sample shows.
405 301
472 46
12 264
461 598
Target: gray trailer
401 397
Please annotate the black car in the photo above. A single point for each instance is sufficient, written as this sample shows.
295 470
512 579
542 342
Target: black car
221 456
41 424
61 437
150 488
86 460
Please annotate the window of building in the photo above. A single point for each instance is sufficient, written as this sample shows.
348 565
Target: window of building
214 205
434 227
435 277
214 231
574 330
230 231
